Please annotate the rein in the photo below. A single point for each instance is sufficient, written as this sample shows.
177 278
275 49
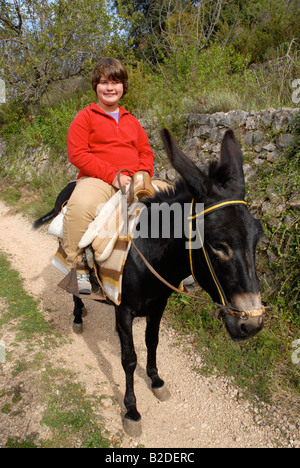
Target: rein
223 308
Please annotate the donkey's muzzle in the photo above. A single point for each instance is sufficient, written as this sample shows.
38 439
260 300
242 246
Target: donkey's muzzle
247 318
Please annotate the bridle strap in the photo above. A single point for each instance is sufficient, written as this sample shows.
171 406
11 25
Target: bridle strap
203 213
216 206
158 276
223 308
243 314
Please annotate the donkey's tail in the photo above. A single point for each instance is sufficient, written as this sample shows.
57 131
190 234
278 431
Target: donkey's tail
44 219
62 198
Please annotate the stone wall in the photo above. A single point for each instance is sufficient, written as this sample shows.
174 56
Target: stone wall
264 134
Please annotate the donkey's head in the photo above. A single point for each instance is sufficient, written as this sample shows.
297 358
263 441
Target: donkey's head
225 266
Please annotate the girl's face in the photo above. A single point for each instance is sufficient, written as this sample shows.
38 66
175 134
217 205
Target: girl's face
109 93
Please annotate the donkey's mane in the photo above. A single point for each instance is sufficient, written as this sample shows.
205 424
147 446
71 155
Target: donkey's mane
180 193
175 194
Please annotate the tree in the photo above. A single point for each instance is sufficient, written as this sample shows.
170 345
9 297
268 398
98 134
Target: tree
46 42
154 25
182 29
259 27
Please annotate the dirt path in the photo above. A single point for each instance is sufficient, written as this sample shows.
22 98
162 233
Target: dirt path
202 412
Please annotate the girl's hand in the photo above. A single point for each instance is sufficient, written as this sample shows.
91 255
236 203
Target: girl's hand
124 180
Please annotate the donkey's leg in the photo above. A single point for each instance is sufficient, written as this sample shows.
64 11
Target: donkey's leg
79 312
124 321
152 334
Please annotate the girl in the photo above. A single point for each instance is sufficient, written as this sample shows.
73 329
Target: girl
102 139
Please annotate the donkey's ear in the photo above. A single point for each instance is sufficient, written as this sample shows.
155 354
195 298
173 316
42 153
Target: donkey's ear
231 153
228 173
197 182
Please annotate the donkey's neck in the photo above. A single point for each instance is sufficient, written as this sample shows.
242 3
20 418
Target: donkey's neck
169 240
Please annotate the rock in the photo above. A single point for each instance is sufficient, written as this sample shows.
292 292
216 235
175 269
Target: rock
251 122
249 171
172 175
295 203
199 119
216 134
274 156
216 118
249 139
270 147
162 174
272 258
283 117
258 137
202 131
267 117
284 140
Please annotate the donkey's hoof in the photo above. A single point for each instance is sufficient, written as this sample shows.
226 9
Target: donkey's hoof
162 393
78 328
132 428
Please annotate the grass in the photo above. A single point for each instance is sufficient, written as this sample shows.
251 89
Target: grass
261 366
36 196
73 416
21 306
70 412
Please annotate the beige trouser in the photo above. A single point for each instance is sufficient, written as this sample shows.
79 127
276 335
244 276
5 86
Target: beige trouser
89 193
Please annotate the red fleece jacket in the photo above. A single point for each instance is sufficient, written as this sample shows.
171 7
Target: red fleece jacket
99 146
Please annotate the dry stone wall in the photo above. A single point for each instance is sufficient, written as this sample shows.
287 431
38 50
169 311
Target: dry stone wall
264 136
263 133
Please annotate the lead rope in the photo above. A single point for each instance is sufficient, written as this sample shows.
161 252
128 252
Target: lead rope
243 314
230 310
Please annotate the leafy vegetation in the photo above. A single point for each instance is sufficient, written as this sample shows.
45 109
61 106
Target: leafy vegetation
278 184
48 42
182 57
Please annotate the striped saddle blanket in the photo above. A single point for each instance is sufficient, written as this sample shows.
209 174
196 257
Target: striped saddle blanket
110 236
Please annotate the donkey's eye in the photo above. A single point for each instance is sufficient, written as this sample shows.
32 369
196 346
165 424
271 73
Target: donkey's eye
222 250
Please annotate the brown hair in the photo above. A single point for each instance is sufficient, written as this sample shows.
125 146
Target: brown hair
113 70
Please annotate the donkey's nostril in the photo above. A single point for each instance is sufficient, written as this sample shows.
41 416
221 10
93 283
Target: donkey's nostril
250 327
244 329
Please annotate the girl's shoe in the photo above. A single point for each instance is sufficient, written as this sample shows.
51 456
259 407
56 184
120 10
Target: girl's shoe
84 284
